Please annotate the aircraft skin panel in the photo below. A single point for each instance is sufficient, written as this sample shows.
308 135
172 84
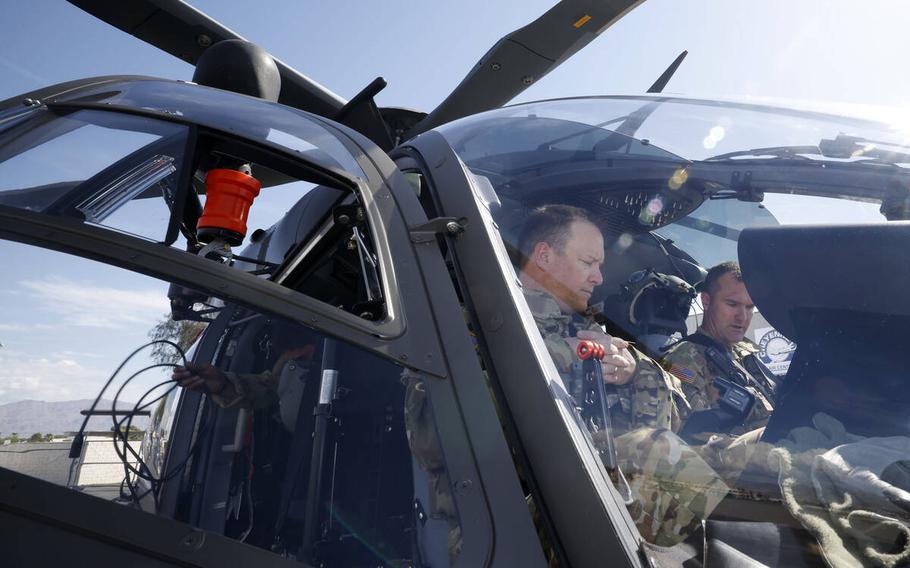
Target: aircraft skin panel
49 520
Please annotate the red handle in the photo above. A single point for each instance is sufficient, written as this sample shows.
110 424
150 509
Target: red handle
587 349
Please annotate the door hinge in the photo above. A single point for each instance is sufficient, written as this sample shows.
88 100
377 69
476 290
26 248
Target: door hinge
426 232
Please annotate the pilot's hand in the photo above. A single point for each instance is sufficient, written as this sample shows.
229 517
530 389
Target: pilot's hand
618 365
201 378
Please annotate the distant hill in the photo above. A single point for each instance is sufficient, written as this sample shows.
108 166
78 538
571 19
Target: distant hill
28 417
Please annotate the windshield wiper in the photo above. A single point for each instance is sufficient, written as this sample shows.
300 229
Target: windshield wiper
842 147
774 152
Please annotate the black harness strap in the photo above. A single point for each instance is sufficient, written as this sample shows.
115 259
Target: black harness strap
721 358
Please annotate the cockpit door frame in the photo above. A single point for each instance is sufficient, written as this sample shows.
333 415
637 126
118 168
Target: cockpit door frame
582 508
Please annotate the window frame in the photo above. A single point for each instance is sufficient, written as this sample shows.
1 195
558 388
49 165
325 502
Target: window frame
426 333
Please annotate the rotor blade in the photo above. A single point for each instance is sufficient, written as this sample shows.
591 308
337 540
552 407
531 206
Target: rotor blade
661 82
524 56
185 32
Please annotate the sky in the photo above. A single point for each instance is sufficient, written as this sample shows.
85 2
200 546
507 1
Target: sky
820 54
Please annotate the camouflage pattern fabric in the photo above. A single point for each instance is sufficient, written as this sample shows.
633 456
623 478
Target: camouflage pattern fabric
424 444
647 400
423 441
673 488
694 374
251 390
729 455
260 390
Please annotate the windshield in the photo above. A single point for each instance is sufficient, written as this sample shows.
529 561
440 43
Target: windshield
720 288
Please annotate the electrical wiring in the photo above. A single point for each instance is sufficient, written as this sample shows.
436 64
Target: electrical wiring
121 433
79 439
122 425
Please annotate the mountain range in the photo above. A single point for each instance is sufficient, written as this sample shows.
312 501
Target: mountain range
27 417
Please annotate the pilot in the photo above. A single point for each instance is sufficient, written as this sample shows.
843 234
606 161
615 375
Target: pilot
671 489
562 252
725 385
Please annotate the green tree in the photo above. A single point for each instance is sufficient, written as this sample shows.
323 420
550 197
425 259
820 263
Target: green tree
135 434
35 438
183 333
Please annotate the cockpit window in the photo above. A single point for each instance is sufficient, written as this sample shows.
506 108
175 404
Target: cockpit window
711 281
58 164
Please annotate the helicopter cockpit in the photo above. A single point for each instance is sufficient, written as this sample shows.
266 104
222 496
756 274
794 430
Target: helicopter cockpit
392 389
678 186
662 176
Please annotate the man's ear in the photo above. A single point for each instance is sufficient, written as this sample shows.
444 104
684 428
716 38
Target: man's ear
542 254
705 300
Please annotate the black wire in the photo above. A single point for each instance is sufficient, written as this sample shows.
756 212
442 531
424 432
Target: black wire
117 433
144 472
176 469
107 384
91 410
667 254
124 435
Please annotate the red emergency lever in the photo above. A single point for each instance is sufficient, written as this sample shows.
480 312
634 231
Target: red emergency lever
587 349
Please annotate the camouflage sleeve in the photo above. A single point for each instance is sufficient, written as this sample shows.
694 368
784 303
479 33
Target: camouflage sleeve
687 363
646 399
560 351
423 441
251 390
260 390
673 488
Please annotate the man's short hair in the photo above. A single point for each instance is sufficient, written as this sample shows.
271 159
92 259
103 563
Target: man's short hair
710 284
549 224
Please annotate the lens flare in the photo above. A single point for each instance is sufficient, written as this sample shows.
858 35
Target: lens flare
623 242
715 135
678 178
655 206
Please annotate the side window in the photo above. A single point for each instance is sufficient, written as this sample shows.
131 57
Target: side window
108 169
312 448
341 464
157 181
68 326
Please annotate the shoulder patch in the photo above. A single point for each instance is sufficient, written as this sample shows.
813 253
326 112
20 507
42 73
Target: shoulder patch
684 374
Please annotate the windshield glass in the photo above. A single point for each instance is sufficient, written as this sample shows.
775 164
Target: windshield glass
721 289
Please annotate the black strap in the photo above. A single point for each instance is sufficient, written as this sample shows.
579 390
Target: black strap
759 371
721 358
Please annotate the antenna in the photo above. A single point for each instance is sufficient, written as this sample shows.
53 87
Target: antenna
662 81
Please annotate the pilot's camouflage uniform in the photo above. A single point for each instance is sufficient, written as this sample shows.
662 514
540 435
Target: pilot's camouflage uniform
263 389
646 399
695 375
727 453
672 488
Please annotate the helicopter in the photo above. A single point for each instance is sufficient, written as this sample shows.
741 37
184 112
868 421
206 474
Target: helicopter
389 285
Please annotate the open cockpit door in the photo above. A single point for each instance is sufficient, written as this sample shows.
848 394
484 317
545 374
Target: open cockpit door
353 450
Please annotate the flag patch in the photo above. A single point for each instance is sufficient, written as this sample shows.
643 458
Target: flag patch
683 374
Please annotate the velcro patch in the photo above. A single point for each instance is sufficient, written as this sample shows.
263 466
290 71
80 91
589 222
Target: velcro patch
683 374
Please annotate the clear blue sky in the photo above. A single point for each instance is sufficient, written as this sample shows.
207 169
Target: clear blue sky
806 50
835 50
